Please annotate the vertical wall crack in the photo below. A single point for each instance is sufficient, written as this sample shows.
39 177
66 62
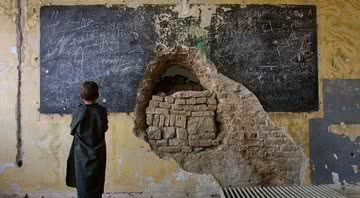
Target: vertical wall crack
19 49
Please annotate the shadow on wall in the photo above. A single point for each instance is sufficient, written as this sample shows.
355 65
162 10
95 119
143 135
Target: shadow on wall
334 142
222 130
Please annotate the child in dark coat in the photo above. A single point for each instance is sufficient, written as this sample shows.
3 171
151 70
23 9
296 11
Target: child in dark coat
87 158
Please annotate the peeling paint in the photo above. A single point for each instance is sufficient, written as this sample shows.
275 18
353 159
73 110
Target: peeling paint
327 146
335 156
349 130
355 168
335 178
183 8
5 165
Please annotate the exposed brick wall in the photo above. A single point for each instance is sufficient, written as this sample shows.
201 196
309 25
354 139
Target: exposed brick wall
182 122
230 136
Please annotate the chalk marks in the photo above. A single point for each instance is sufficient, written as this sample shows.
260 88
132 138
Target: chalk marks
271 50
109 46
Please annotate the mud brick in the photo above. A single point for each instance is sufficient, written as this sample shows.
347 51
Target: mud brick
169 99
275 134
180 121
205 143
176 107
201 100
161 143
176 142
177 112
161 111
186 149
179 94
158 98
164 105
170 149
149 119
190 94
275 141
154 133
200 108
194 142
169 132
172 120
191 101
188 107
202 113
197 125
162 121
180 101
289 147
156 120
208 136
154 103
150 110
167 120
181 133
194 137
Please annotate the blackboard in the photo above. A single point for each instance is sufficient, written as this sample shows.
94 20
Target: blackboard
108 45
272 50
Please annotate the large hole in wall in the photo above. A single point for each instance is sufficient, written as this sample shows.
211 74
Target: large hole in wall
208 123
176 79
180 117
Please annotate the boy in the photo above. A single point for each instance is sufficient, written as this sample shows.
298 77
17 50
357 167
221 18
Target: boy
87 158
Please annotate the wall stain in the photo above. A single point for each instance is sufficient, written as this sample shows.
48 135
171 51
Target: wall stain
336 20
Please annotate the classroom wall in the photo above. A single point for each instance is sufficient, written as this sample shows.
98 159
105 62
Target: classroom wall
132 167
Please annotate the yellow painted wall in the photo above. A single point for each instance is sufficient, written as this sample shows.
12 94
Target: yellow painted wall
131 166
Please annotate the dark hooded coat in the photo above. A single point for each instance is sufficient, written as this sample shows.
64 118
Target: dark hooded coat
87 158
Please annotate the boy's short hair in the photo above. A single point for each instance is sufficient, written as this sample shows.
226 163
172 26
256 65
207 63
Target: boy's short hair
89 91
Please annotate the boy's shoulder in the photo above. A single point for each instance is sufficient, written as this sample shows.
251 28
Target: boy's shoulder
79 108
101 107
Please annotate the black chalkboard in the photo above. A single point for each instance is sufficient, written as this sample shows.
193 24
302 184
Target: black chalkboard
108 45
272 50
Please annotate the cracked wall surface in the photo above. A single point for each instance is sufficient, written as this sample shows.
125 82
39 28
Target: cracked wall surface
45 137
243 148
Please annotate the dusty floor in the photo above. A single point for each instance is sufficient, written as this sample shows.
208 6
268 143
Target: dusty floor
112 195
348 191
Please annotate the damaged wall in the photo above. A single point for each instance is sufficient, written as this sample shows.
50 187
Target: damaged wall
334 143
46 138
223 131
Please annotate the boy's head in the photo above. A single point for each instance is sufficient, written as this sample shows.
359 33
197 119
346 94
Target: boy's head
89 91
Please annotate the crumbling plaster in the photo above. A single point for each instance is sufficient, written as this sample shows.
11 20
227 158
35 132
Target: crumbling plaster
248 138
46 139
